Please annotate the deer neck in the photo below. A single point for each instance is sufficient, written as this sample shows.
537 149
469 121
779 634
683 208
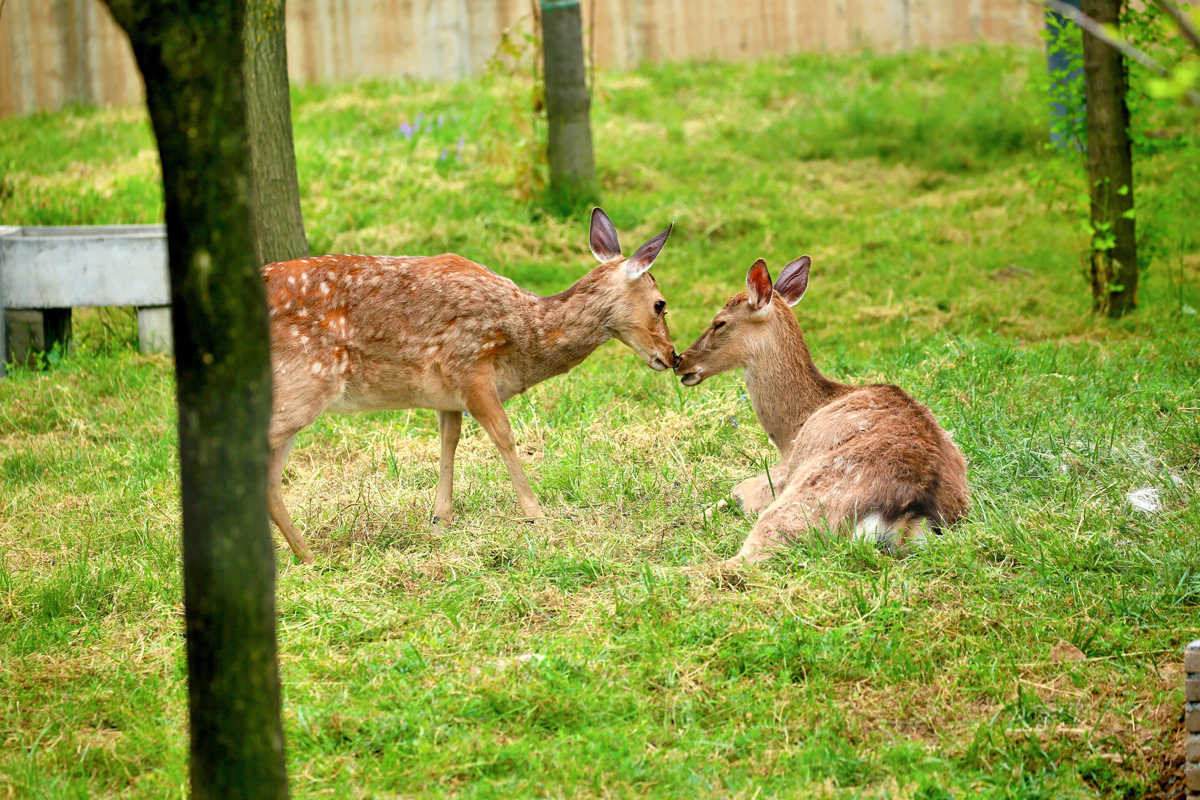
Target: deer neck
784 384
571 325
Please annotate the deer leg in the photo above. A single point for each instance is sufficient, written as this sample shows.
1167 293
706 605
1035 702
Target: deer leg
275 505
484 405
714 509
911 534
754 495
792 514
450 427
760 545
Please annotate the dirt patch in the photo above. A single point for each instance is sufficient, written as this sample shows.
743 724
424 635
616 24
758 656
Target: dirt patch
1166 767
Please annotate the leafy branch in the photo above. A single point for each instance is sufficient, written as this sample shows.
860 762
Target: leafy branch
1112 39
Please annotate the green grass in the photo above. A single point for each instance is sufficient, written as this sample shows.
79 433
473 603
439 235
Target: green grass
601 654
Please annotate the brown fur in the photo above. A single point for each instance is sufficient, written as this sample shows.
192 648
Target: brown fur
365 333
846 452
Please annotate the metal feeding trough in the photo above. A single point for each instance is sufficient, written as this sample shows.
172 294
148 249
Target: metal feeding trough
47 271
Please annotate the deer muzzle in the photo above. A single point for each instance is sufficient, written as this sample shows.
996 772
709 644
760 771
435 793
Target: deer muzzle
689 374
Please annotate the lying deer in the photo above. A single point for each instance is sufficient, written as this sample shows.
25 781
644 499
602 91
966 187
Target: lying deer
867 460
366 333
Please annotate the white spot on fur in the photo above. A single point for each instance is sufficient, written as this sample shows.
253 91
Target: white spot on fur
295 331
303 340
303 312
324 289
317 368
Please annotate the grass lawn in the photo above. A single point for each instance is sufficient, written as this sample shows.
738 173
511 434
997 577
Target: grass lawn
599 654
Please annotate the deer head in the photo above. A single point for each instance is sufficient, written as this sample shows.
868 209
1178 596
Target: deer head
748 323
637 309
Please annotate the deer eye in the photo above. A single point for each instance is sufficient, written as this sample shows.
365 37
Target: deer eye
660 307
718 324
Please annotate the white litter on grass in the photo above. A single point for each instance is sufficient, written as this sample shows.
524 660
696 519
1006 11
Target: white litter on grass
525 659
1145 500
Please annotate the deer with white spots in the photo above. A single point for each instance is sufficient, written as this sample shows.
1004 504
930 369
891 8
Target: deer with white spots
865 460
367 333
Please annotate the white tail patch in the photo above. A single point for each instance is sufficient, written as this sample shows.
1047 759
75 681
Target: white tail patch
872 528
902 535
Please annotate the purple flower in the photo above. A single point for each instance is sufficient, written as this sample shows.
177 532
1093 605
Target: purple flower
441 120
407 130
462 141
442 157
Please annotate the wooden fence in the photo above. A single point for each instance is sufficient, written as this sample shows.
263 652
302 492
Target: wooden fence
56 52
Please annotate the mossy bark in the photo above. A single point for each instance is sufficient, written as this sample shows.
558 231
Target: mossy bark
190 55
572 161
1114 268
274 189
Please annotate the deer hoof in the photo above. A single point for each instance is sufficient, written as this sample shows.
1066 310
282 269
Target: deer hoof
713 510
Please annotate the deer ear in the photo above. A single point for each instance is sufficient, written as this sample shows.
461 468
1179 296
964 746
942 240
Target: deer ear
642 260
603 238
793 281
758 287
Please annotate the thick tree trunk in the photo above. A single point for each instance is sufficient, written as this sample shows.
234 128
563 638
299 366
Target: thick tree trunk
1114 270
572 162
274 191
190 55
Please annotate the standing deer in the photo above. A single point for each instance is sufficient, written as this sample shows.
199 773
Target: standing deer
869 460
366 333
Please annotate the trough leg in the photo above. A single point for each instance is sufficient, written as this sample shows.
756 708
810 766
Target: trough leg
31 332
154 330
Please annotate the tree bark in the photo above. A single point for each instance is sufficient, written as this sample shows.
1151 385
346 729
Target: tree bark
190 55
1114 269
572 162
274 190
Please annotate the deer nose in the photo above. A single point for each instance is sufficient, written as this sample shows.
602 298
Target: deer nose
675 359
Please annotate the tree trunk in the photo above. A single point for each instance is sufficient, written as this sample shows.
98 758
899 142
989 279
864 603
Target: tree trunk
274 191
190 55
1114 270
572 163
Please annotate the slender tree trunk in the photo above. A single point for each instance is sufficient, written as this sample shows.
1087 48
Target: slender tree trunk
1114 270
274 191
190 55
572 163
